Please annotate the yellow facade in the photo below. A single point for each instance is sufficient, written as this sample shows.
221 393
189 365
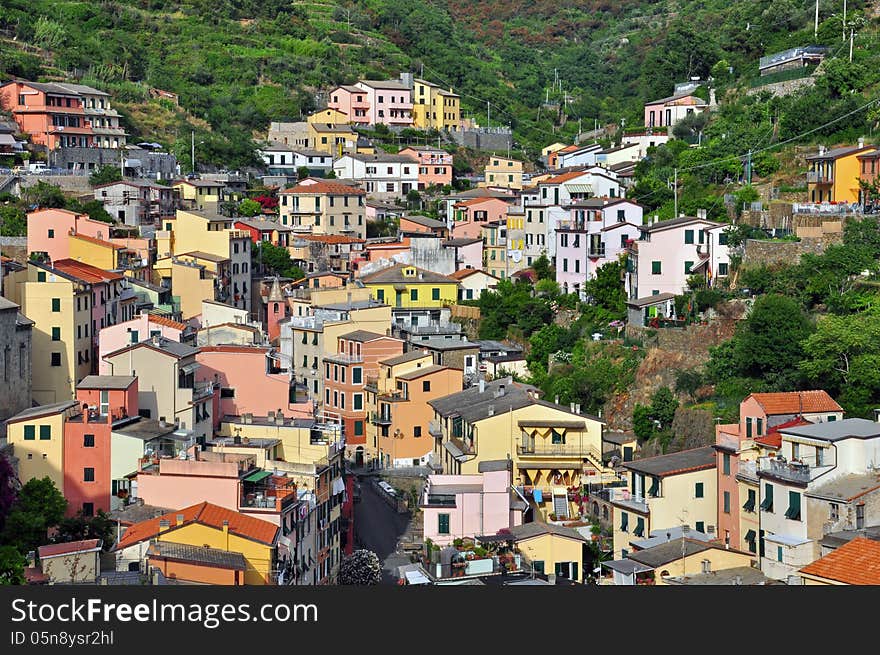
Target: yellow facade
414 293
553 147
435 108
503 172
835 180
192 285
328 116
719 559
102 255
194 233
200 194
332 140
259 557
676 505
62 334
38 443
295 443
552 549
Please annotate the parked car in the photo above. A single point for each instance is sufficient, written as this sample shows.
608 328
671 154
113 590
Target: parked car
387 488
38 168
356 492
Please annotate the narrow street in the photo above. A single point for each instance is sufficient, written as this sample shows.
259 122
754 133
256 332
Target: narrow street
378 528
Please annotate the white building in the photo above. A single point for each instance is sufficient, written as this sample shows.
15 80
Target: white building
382 176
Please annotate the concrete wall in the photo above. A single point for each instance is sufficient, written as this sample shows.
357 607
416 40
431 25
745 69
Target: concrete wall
15 364
91 158
480 140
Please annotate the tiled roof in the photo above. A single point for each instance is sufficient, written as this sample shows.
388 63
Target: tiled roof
85 272
773 439
394 275
855 563
668 552
331 188
536 529
410 356
200 555
361 335
204 514
462 273
797 402
42 410
167 322
385 84
114 382
99 242
685 461
565 177
69 548
328 238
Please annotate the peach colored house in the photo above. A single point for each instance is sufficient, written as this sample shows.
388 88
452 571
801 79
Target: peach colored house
423 225
470 215
247 384
760 415
52 115
388 102
140 328
351 101
457 506
435 165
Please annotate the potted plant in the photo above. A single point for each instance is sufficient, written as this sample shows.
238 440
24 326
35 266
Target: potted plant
552 516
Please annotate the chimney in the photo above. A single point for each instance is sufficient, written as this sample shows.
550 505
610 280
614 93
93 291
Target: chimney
571 406
500 389
577 408
482 386
877 415
556 399
279 418
225 526
821 150
156 339
155 577
236 439
738 580
179 519
861 142
164 524
490 410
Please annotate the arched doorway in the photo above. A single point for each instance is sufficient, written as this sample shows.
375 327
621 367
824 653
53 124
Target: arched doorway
359 456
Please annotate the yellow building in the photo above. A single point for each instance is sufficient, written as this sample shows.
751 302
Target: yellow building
333 139
664 492
666 561
197 194
434 107
551 549
37 438
296 443
834 174
192 283
212 526
497 260
503 172
328 117
552 447
61 307
553 147
324 207
406 287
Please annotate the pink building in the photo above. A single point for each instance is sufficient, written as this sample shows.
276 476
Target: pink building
468 252
435 165
390 102
761 416
471 215
49 231
247 384
457 506
140 328
668 111
599 230
351 101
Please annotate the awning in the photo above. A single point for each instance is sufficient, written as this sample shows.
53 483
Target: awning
186 369
579 188
453 450
133 163
627 566
415 577
785 540
259 475
7 140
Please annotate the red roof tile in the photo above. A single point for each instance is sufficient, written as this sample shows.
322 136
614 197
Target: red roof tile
773 439
204 514
167 322
329 238
797 402
467 272
99 242
85 272
854 563
333 188
565 177
476 201
53 550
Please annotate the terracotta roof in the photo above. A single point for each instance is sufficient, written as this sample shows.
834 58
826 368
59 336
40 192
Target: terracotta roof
394 275
85 272
332 188
234 348
565 177
69 548
475 201
855 563
796 402
167 322
100 242
204 514
328 238
462 273
773 439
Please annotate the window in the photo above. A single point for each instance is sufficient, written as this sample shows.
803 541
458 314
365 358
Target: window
722 241
767 503
687 267
358 428
417 431
640 527
88 509
779 553
51 234
426 385
443 524
722 268
414 294
726 502
750 540
624 522
56 334
435 294
30 432
88 441
860 516
655 268
749 427
688 236
700 526
654 491
357 375
834 514
698 490
759 426
380 295
56 304
357 401
88 474
41 277
820 456
56 359
725 463
794 506
749 505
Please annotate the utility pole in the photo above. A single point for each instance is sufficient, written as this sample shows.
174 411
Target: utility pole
816 24
675 192
749 168
844 21
850 45
193 137
488 115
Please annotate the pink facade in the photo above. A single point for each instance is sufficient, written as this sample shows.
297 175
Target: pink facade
351 101
390 102
244 378
471 215
49 229
668 111
470 255
470 505
435 165
116 337
52 115
181 483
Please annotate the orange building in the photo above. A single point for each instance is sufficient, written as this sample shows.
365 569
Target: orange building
345 374
52 115
106 400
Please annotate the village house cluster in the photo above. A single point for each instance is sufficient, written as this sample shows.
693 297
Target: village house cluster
154 371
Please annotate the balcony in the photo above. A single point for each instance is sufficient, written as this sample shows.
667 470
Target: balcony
815 177
203 389
596 251
627 499
435 430
371 383
785 471
344 358
377 418
439 500
558 450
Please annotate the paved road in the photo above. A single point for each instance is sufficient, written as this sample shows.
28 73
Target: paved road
378 528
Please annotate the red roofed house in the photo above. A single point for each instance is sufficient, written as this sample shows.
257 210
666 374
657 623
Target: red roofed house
470 215
854 563
474 282
73 561
140 328
218 530
739 445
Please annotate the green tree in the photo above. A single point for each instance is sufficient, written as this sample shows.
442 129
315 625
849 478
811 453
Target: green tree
688 380
13 221
643 424
105 175
79 527
276 260
663 406
39 506
303 172
43 194
543 269
11 566
248 207
606 289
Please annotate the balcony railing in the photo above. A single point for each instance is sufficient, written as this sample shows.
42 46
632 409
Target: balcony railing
378 418
596 252
440 500
815 177
778 467
556 450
